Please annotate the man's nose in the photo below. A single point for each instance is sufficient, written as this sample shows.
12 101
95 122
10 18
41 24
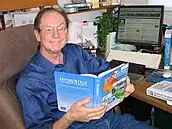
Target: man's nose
55 33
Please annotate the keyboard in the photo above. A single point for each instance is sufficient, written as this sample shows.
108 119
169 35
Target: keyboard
149 60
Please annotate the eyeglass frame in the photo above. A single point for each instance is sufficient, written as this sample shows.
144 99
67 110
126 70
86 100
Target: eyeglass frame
49 30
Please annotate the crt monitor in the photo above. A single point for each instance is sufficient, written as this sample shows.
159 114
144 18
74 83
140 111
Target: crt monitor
140 25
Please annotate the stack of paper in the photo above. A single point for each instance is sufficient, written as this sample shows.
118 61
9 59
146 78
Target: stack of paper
161 90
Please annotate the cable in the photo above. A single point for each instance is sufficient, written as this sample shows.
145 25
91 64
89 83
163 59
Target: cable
152 51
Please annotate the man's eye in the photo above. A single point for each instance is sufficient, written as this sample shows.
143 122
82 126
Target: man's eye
60 28
49 29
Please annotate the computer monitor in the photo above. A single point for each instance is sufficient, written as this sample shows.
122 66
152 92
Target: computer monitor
140 25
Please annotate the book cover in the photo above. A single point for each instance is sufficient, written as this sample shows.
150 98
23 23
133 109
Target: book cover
106 88
161 90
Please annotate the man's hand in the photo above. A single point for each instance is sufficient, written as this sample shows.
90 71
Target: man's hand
79 112
129 89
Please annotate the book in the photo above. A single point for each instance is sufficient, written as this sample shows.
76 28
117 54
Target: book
105 89
89 5
161 90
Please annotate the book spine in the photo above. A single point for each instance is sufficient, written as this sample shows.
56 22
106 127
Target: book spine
154 94
160 95
161 90
97 92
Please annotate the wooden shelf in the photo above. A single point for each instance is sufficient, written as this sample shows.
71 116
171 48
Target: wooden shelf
94 9
23 4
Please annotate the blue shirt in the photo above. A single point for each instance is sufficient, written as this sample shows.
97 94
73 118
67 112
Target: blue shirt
36 85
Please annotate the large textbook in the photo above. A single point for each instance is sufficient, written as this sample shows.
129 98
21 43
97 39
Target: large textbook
161 90
105 89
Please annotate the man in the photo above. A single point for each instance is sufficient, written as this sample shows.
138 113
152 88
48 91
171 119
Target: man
36 86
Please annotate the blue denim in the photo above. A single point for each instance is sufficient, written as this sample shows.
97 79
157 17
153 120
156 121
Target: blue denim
117 121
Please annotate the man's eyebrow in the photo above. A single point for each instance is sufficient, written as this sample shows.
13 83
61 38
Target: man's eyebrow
62 24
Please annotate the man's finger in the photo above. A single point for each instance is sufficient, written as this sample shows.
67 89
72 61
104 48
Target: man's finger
84 102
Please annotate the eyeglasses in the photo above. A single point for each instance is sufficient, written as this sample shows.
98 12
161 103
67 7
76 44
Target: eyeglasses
50 30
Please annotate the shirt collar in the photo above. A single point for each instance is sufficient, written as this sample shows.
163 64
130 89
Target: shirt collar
42 61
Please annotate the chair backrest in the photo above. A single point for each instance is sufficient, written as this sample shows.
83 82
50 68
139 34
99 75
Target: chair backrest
17 46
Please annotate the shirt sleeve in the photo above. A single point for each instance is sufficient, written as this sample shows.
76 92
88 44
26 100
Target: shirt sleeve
43 126
94 64
36 111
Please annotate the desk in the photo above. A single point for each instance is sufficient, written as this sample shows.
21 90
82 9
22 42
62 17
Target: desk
140 93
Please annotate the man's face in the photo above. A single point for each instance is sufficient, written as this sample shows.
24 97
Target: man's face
53 33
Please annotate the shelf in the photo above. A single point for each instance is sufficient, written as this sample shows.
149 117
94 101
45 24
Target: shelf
23 4
95 9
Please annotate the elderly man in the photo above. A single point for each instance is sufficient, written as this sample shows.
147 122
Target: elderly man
36 85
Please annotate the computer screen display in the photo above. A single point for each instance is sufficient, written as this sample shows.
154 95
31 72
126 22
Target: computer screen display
140 25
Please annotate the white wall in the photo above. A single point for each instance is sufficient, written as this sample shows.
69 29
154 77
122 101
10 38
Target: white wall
85 16
160 2
134 1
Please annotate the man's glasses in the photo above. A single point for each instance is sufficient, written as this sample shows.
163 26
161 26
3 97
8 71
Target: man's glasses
50 30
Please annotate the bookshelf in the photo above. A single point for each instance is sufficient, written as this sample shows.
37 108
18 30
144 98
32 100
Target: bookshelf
108 8
13 5
24 4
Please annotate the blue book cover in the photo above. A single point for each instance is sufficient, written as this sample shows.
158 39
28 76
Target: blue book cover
106 88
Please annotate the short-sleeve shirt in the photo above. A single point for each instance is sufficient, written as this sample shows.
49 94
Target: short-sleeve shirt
36 86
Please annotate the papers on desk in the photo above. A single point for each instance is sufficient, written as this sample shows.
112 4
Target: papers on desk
24 18
161 90
75 33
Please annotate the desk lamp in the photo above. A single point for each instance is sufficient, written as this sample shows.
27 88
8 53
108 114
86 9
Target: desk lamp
167 41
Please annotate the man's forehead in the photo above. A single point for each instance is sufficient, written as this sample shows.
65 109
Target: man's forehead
52 17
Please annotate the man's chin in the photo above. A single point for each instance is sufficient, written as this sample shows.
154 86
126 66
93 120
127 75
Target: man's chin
55 51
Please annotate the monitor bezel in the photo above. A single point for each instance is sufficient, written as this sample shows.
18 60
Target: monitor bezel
160 28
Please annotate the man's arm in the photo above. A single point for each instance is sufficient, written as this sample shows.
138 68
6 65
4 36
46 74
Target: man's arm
79 112
62 123
37 112
94 64
38 115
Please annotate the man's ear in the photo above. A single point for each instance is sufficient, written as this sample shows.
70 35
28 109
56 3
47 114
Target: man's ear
37 35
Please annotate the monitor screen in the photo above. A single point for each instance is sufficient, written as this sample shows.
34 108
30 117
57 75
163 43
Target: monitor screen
140 25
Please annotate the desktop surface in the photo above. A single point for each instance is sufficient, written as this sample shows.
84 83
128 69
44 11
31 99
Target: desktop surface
140 93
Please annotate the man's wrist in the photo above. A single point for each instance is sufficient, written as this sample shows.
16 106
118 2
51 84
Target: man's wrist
64 122
69 119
